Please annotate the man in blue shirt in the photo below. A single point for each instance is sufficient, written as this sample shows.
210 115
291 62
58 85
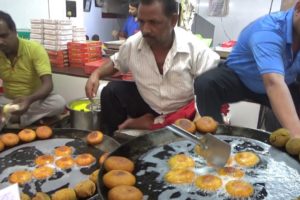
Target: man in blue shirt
262 67
131 25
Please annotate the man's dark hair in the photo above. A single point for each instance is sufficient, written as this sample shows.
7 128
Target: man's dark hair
170 6
134 3
8 20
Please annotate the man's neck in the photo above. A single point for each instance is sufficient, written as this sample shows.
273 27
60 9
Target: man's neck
166 46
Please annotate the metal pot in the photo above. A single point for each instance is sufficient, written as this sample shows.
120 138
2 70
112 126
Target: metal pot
85 114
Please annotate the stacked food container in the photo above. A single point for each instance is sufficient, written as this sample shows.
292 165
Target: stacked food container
84 52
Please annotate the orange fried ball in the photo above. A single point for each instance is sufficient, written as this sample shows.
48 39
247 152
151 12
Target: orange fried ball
41 196
114 178
27 135
186 124
94 176
125 192
24 196
44 132
231 171
63 151
21 177
65 162
85 189
103 157
118 162
239 189
198 150
64 194
43 172
293 146
44 159
2 146
180 176
206 125
94 137
85 159
181 161
10 139
246 159
209 182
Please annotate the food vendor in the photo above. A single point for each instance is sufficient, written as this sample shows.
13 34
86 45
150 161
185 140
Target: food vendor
164 60
262 67
26 74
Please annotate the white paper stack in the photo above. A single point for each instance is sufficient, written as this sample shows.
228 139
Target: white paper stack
79 34
37 30
57 33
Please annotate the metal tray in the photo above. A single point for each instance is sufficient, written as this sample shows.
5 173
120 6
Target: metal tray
23 155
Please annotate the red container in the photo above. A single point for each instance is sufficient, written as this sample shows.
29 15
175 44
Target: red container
85 44
91 66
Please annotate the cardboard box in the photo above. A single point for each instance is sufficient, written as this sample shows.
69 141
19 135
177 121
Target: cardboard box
91 66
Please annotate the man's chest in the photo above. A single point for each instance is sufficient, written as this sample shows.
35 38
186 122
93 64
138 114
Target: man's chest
17 70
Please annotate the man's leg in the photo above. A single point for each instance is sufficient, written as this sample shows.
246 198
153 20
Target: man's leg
121 100
216 87
51 106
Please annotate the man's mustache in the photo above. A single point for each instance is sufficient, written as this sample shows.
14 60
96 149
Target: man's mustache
145 35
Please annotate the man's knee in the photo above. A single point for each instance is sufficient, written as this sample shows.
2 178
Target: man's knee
111 88
56 103
202 83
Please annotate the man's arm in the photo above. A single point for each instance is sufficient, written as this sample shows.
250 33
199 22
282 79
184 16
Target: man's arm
40 93
92 83
282 102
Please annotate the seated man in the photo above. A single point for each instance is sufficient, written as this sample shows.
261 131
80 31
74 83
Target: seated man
26 73
163 59
131 25
262 67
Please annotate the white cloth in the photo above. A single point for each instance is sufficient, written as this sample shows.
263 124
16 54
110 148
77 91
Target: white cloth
52 105
166 93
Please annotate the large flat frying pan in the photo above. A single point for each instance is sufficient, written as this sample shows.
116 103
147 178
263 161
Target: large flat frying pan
23 155
150 153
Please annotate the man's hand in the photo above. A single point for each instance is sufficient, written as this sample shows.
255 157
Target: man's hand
115 34
24 103
92 86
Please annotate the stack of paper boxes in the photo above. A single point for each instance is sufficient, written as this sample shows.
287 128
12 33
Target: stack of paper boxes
37 30
57 34
78 34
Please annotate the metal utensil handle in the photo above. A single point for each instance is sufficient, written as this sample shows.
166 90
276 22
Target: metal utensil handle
183 133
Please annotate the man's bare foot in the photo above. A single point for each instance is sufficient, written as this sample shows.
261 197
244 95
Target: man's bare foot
197 116
143 122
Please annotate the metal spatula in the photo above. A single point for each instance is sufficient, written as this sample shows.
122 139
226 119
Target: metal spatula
215 151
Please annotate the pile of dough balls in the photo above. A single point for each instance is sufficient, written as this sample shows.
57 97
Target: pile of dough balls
281 138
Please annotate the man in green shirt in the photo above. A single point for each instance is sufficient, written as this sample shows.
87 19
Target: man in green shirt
26 74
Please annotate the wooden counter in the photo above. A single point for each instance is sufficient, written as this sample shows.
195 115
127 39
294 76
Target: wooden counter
71 71
79 72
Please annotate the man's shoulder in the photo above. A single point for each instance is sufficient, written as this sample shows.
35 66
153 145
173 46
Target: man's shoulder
30 45
134 40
